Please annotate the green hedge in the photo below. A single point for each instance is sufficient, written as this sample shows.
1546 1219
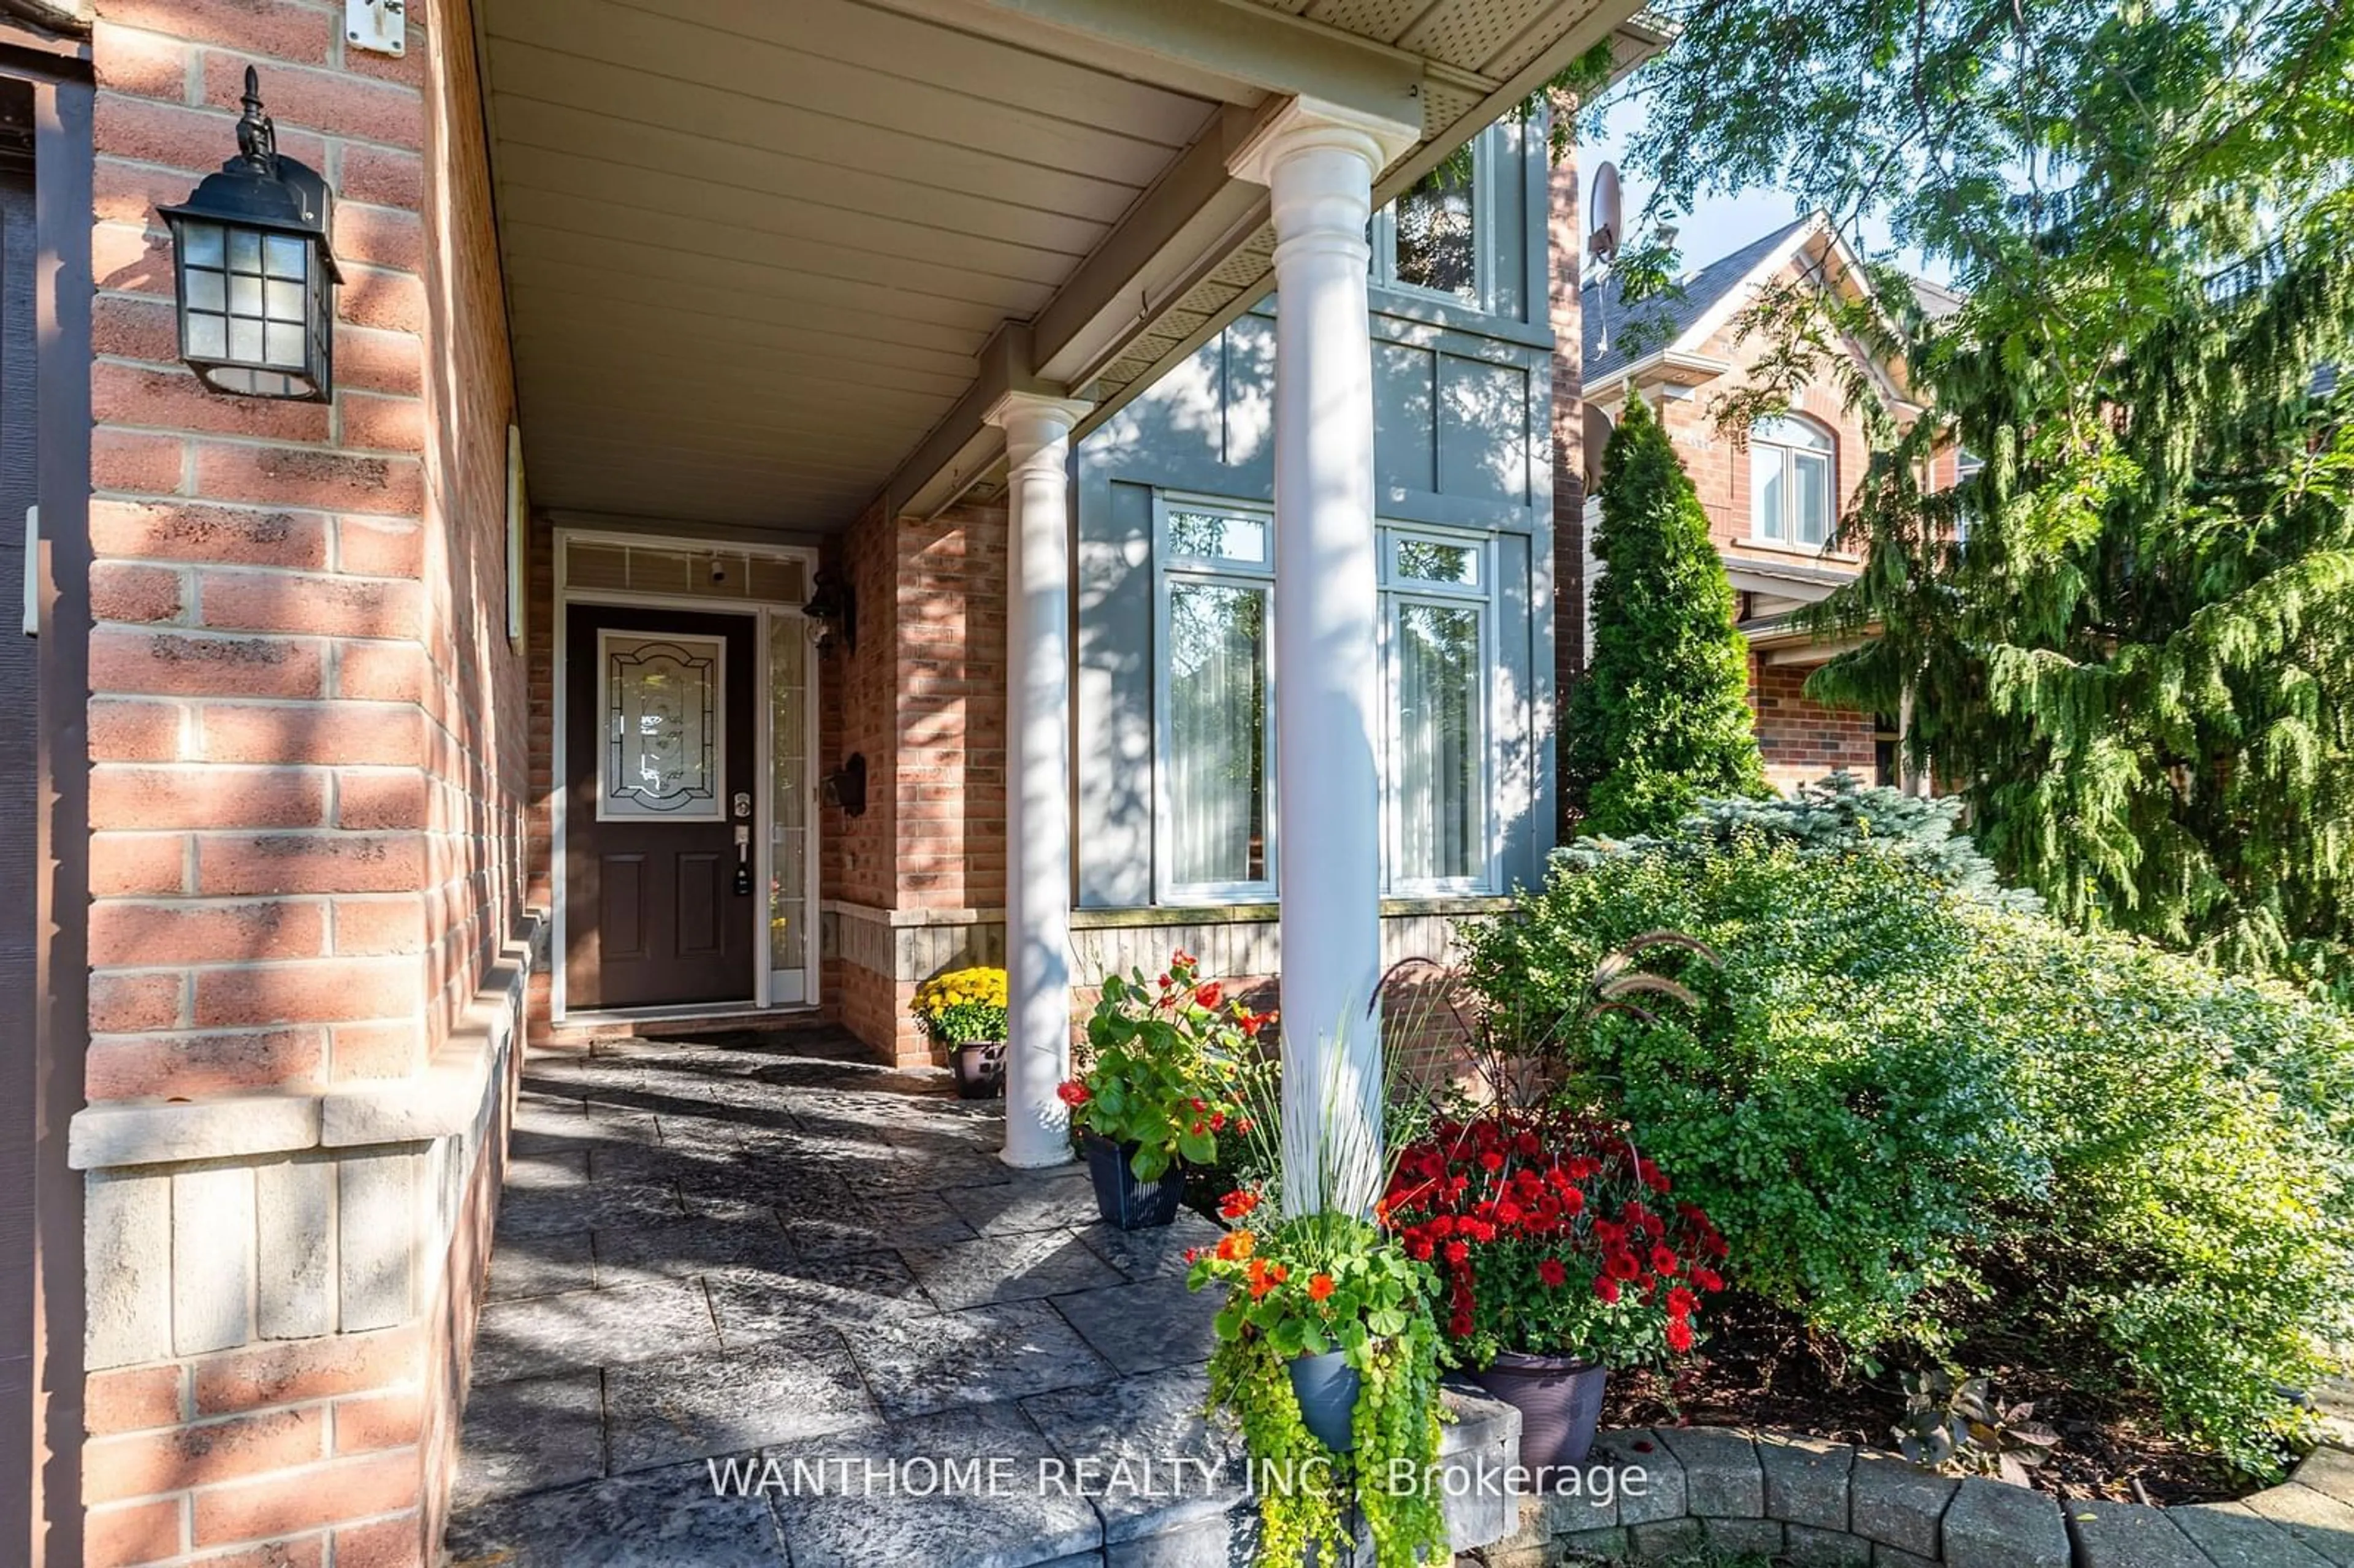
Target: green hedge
1894 1091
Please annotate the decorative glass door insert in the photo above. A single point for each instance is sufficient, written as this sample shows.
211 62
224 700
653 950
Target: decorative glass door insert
664 711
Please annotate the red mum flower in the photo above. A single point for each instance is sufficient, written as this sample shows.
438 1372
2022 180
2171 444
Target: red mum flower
1608 1288
1573 1200
1459 1325
1707 1278
1664 1261
1456 1251
1491 1160
1622 1265
1681 1302
1552 1273
1419 1248
1680 1335
1073 1094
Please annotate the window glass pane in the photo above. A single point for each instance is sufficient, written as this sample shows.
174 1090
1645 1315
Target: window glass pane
1216 761
245 250
1810 500
245 340
1442 809
1790 433
244 295
1436 235
1428 561
282 344
208 336
1218 537
208 291
1766 505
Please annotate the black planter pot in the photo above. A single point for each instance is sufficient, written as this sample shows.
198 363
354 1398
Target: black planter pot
1326 1387
1124 1201
980 1069
1559 1399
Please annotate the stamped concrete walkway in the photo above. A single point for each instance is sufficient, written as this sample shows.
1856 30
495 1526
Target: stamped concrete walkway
758 1251
756 1248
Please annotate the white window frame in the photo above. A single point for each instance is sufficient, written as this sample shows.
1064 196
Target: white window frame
1483 238
1397 593
1968 466
1171 568
1764 437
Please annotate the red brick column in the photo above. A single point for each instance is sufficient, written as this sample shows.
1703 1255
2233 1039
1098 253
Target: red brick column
307 735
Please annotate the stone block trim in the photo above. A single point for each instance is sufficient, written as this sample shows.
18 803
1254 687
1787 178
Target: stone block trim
1761 1493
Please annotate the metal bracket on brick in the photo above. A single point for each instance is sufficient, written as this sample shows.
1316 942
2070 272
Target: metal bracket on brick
380 26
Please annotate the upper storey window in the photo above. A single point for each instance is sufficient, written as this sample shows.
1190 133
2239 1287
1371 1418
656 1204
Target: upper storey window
1790 482
1434 239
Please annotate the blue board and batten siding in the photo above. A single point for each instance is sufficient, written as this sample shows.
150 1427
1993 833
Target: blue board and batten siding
1463 410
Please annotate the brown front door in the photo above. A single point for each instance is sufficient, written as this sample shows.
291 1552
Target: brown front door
659 756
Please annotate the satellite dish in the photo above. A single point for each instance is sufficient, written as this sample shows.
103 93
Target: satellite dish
1603 222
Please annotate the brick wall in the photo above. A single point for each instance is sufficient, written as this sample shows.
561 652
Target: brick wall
1803 740
923 699
307 737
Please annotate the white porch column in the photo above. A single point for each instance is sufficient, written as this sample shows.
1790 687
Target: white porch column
1319 162
1037 774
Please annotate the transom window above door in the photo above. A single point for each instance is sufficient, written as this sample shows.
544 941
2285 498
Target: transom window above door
1790 470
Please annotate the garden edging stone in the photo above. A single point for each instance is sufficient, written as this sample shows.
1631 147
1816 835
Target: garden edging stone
1828 1505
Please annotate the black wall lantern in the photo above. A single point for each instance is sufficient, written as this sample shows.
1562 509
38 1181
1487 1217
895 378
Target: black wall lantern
834 607
846 786
257 276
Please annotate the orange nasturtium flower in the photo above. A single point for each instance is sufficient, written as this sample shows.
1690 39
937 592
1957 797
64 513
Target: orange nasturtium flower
1320 1286
1235 1245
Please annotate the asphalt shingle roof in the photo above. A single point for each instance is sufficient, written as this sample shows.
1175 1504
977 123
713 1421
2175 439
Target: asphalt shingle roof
1661 319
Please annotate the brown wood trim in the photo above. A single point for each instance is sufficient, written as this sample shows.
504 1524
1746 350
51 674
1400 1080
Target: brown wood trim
63 153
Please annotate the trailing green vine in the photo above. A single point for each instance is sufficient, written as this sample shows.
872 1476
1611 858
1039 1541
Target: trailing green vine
1315 1284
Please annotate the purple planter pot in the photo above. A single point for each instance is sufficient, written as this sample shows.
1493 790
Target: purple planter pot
1559 1399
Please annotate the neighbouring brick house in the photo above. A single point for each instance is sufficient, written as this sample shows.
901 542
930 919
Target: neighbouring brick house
839 382
1773 498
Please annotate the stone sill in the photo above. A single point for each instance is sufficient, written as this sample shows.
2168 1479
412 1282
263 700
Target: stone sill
440 1102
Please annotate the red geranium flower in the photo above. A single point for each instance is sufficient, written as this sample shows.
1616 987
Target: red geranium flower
1319 1285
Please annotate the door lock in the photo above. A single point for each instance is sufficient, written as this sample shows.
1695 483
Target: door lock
743 861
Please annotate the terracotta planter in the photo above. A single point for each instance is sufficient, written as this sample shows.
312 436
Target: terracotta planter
1326 1387
1120 1198
980 1069
1559 1399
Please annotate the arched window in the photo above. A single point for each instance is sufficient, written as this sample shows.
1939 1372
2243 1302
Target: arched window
1790 482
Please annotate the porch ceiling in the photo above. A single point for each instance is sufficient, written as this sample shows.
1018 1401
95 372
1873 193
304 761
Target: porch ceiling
756 254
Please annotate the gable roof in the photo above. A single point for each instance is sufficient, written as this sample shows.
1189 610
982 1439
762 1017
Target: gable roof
1663 319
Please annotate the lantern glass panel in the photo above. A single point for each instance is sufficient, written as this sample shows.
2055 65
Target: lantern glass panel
288 257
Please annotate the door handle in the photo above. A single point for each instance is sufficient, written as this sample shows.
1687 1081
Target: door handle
744 862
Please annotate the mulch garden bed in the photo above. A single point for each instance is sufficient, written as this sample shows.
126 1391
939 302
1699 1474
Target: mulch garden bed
1756 1370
